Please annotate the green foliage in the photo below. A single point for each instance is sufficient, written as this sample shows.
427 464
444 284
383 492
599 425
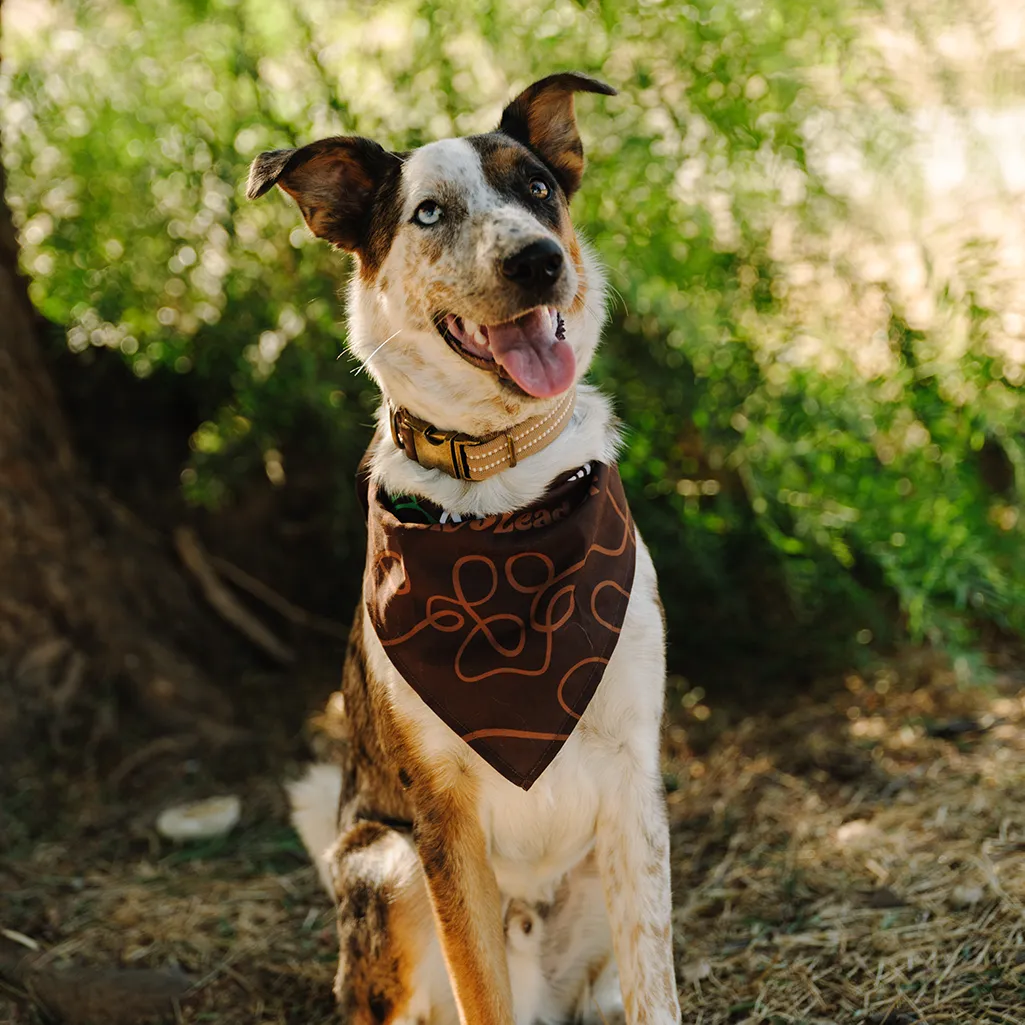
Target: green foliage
799 446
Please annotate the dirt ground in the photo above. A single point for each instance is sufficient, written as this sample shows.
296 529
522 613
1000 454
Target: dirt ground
858 857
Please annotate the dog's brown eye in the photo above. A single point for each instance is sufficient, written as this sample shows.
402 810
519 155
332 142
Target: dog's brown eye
428 213
539 188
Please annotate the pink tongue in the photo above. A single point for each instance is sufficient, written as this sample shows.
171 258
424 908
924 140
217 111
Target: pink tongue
541 364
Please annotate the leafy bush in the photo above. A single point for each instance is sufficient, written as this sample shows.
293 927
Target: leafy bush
808 429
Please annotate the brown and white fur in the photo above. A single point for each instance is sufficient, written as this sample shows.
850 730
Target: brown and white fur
497 905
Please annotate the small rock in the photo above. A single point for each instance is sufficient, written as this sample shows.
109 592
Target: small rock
966 895
695 971
857 833
200 820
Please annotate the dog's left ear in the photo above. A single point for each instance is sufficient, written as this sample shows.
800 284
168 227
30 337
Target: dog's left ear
542 118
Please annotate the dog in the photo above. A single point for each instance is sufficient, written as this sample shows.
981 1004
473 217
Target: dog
495 836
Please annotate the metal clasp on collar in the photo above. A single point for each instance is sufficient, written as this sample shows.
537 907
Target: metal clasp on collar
431 448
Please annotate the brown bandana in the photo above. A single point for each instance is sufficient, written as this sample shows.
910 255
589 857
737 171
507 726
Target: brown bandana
504 625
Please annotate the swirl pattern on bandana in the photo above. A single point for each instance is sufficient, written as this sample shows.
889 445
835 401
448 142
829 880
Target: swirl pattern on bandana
504 625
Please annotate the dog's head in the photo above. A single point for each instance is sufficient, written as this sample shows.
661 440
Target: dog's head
474 303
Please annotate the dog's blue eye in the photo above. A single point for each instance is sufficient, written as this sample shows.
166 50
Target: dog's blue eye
427 213
539 188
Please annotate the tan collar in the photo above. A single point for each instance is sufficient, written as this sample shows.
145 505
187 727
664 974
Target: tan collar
468 458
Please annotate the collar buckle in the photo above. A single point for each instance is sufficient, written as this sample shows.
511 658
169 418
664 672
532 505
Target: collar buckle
431 448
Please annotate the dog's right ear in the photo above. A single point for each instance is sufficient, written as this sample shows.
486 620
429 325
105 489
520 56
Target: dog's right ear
333 181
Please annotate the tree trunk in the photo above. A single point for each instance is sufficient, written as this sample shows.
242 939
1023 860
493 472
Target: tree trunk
89 599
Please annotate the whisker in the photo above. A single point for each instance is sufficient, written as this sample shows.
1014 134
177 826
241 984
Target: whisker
363 364
580 297
619 295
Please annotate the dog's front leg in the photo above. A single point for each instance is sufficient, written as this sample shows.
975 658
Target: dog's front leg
632 848
465 897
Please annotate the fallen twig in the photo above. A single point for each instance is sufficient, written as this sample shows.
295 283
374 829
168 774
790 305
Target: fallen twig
281 605
160 746
197 562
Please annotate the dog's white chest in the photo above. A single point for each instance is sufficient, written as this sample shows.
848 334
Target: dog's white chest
536 836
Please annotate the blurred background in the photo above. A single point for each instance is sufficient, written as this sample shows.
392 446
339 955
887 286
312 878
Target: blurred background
811 219
811 215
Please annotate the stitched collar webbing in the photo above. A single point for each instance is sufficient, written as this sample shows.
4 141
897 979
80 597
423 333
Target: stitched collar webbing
468 458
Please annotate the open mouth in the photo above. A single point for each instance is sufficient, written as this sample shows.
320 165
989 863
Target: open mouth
531 350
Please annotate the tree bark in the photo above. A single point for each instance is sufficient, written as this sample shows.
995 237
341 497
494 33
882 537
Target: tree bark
89 599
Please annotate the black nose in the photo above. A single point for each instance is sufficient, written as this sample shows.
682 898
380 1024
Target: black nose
540 263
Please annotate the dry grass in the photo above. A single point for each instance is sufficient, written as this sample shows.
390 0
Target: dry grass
838 863
843 863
